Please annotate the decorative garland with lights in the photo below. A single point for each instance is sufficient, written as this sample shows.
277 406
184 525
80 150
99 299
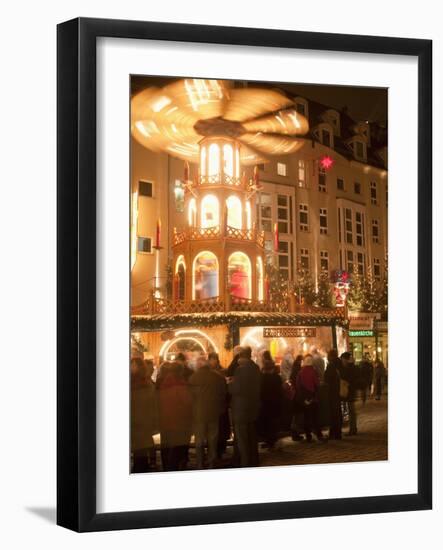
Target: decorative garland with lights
163 322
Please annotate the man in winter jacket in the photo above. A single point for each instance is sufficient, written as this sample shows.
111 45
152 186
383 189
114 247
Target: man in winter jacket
245 390
208 389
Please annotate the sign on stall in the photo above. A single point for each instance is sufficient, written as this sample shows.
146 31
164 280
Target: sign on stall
289 332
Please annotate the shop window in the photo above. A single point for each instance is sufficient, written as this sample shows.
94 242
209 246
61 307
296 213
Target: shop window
205 276
239 275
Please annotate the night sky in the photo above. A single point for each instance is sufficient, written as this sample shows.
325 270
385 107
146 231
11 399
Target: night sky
362 103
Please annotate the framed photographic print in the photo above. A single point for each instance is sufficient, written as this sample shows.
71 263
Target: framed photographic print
244 274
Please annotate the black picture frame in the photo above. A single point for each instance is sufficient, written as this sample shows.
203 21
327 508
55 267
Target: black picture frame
76 279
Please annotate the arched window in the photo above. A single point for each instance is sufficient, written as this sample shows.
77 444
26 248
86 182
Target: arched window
239 275
210 216
260 278
248 215
228 160
180 277
214 160
205 276
203 161
192 212
233 205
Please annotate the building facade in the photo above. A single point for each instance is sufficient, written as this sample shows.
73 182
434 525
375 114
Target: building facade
327 203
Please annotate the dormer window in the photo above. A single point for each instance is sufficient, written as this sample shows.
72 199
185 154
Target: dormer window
359 150
326 137
333 118
301 106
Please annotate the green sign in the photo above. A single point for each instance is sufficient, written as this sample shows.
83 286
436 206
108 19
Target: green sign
361 333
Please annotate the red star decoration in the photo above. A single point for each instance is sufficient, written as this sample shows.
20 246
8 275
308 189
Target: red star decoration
326 162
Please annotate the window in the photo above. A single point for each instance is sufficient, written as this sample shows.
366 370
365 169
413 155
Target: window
303 217
179 282
281 169
205 276
203 161
322 180
234 212
304 259
145 188
323 221
339 224
248 215
209 211
357 187
359 229
260 278
375 232
360 263
282 213
300 107
228 160
324 260
239 275
214 160
192 212
326 137
350 261
377 273
266 212
144 245
348 225
269 249
359 149
373 192
283 259
340 184
301 174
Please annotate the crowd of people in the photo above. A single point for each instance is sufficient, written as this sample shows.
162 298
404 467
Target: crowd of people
256 402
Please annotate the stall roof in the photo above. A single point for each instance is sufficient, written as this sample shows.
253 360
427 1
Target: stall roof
150 323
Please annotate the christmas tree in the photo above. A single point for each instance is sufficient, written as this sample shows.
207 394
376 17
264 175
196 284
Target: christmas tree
357 294
324 294
305 288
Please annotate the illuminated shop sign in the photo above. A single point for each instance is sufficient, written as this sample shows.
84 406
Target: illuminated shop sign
289 332
361 333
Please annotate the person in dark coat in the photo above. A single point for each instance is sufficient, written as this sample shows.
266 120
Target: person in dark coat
332 381
379 376
144 417
208 389
366 373
296 404
224 428
175 408
245 390
308 384
349 373
230 371
271 404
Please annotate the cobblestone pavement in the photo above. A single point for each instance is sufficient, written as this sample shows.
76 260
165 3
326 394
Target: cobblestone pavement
371 443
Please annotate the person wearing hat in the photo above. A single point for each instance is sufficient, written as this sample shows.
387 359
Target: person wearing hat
308 384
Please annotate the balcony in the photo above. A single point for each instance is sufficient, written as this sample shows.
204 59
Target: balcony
216 233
